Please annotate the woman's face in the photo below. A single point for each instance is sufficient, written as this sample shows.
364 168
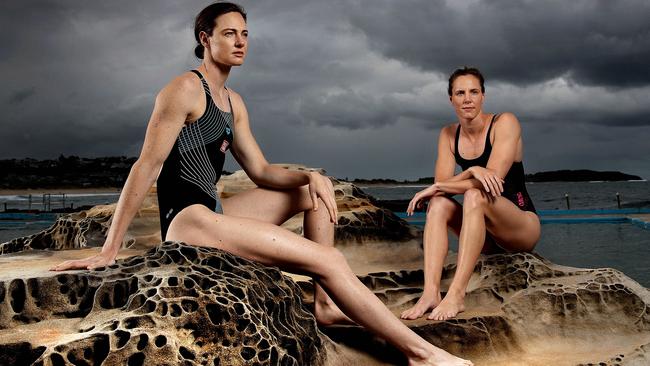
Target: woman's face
466 97
229 41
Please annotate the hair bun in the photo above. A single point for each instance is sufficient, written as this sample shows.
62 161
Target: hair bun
198 51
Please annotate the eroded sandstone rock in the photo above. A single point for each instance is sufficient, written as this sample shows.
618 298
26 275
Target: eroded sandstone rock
173 305
524 310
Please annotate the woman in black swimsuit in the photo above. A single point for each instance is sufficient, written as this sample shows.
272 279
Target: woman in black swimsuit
195 121
497 213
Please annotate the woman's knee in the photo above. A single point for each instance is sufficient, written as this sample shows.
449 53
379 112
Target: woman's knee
441 207
304 198
189 222
332 263
474 198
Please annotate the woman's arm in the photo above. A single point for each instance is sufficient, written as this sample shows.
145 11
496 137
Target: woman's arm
504 152
444 170
249 155
172 107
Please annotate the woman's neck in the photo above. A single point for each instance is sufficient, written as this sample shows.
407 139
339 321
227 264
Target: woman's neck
216 74
474 127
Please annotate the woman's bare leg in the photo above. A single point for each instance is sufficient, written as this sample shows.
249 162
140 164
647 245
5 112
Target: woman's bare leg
514 230
276 207
269 244
443 213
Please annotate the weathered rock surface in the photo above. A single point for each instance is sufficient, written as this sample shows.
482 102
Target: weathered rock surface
174 305
88 229
524 310
183 305
360 222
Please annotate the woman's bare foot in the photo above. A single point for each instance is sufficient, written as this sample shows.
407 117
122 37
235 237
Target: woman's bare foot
428 301
327 313
449 307
439 357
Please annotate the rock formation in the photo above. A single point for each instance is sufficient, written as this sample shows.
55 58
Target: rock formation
172 304
524 310
359 221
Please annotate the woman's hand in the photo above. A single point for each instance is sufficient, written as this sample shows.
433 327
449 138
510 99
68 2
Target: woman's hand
423 194
320 186
491 182
98 260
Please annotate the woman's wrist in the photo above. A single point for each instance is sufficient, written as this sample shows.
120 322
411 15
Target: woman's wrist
110 250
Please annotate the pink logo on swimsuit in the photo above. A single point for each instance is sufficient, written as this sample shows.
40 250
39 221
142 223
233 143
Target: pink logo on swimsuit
520 199
224 146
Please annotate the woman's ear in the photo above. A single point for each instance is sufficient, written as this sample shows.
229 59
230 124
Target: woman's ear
203 37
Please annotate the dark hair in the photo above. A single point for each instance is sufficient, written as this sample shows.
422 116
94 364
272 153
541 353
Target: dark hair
466 71
207 20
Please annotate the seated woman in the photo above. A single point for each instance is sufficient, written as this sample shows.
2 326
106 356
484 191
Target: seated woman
496 214
195 121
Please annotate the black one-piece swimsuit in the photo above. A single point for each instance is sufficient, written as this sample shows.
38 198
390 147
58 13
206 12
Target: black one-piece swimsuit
514 188
191 171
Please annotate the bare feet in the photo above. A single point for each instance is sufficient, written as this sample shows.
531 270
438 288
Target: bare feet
327 313
428 301
449 307
439 357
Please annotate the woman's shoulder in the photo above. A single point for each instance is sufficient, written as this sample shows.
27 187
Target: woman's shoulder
505 118
449 130
184 87
506 122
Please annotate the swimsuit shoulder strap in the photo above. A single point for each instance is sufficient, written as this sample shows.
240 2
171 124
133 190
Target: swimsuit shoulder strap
487 138
206 87
232 111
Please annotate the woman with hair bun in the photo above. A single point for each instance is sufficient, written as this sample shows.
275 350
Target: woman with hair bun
195 121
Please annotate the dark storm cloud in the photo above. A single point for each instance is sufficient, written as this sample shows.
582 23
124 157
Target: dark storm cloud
594 42
356 87
21 95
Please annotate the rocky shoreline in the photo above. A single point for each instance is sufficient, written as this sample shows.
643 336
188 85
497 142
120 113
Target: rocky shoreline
173 304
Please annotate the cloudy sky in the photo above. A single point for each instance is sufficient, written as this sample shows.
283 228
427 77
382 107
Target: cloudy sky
356 87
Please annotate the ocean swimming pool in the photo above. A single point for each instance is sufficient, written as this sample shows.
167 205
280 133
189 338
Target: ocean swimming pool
623 246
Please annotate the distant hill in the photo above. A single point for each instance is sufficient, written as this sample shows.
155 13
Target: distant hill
111 172
65 172
579 176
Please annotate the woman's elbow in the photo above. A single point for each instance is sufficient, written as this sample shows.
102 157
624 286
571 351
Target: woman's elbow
147 165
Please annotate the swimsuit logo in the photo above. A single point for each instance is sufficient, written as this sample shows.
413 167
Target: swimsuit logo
227 130
224 146
520 199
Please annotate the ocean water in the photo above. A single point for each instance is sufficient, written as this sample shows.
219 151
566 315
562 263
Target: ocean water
622 246
551 195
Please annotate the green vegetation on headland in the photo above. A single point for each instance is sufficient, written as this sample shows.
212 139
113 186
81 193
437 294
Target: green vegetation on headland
65 172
